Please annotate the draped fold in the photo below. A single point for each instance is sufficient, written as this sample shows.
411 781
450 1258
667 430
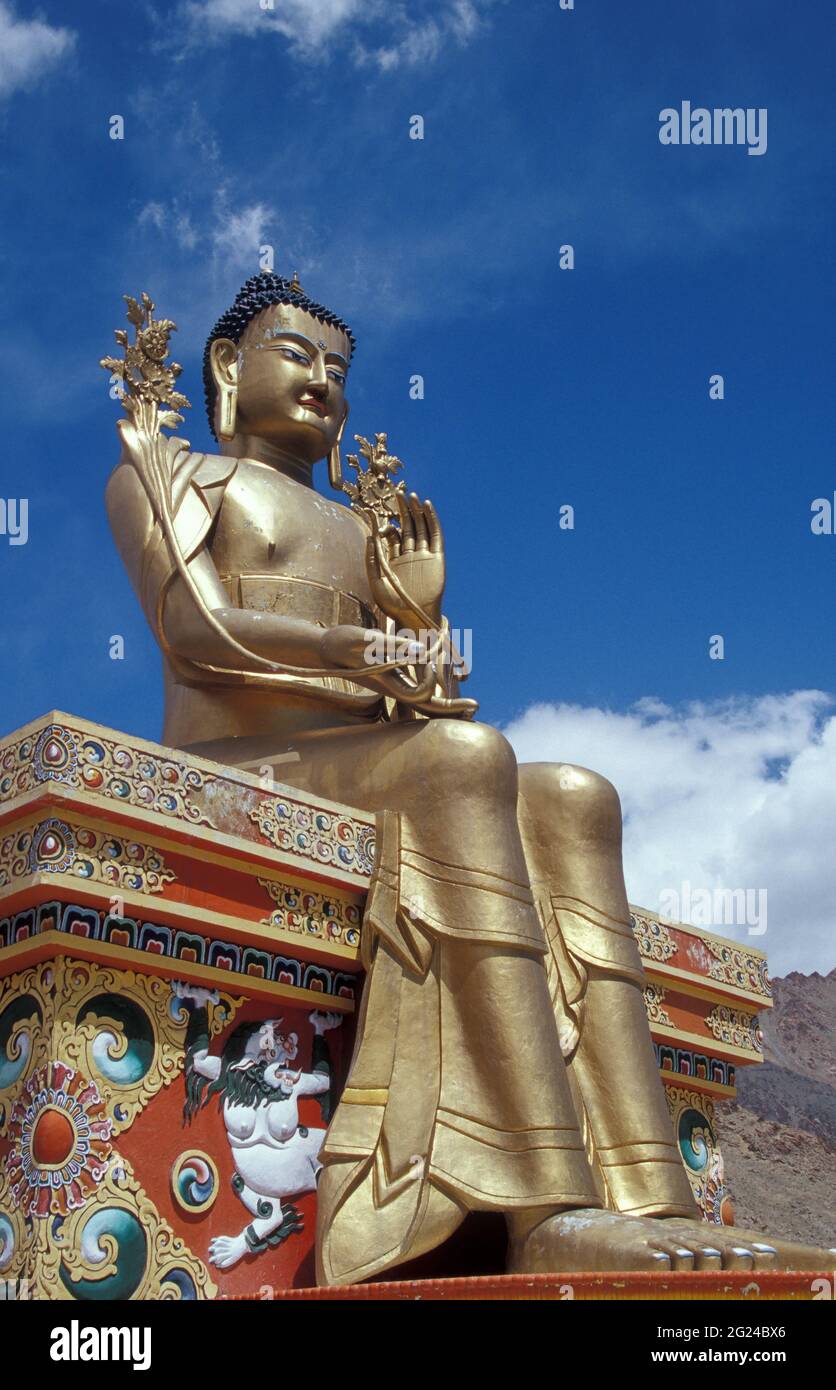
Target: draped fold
457 1097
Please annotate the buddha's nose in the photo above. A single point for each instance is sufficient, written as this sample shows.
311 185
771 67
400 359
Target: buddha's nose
318 381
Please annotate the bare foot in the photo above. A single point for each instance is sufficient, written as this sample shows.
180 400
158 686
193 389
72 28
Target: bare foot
591 1240
781 1254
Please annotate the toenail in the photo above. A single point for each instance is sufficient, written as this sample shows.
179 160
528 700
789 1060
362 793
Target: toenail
709 1250
682 1251
740 1250
766 1249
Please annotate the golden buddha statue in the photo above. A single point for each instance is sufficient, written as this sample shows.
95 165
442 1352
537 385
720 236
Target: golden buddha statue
503 1059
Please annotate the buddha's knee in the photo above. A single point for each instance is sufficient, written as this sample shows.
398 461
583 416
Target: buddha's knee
467 758
570 802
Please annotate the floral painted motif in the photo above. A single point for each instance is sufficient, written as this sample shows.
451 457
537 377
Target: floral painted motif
150 778
55 847
60 1142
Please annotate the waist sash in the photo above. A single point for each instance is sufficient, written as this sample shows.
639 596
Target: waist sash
298 598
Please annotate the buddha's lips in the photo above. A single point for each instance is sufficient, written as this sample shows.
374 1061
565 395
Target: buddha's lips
310 404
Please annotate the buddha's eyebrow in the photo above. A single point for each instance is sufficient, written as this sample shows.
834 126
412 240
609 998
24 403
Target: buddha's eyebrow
306 343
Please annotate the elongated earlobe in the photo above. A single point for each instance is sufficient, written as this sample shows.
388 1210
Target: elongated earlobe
228 402
335 463
224 359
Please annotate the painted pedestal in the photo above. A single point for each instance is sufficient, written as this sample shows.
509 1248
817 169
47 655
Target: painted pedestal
179 942
703 996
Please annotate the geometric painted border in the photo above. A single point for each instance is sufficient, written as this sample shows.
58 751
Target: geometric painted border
173 943
679 1061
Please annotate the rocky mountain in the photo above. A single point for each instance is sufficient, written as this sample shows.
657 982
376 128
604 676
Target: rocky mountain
779 1136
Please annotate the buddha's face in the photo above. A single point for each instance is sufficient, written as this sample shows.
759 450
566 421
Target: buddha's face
290 373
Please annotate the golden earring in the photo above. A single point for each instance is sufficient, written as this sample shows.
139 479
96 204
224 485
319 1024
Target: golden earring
228 413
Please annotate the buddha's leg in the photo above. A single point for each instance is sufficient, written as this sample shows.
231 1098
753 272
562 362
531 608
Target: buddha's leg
571 825
457 1097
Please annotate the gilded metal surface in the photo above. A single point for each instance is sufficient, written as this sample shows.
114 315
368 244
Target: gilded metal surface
295 416
504 1059
374 491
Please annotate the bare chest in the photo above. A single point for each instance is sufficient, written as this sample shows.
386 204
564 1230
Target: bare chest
271 526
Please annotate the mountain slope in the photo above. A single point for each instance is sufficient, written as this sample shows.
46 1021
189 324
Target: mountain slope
779 1137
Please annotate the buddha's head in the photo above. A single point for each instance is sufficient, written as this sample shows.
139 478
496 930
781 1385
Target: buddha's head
275 368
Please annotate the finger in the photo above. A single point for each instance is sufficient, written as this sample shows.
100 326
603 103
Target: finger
467 708
410 650
433 528
375 556
381 549
407 526
394 544
372 561
417 513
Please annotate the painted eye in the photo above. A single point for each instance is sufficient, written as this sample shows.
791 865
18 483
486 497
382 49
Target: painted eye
338 377
295 356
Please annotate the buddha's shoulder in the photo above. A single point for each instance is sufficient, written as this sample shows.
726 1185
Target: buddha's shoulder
195 490
185 467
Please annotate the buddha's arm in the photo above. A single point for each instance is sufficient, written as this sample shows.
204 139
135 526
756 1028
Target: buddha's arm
185 628
271 635
190 611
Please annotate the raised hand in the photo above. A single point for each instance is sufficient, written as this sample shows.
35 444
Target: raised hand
415 556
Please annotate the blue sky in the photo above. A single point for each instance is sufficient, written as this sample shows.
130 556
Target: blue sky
543 387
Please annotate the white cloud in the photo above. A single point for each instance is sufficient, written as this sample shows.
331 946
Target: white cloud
233 236
237 236
306 23
313 27
739 794
28 49
422 42
170 219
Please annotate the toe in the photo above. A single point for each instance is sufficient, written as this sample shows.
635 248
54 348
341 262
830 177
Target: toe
681 1256
661 1261
738 1257
708 1257
782 1254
